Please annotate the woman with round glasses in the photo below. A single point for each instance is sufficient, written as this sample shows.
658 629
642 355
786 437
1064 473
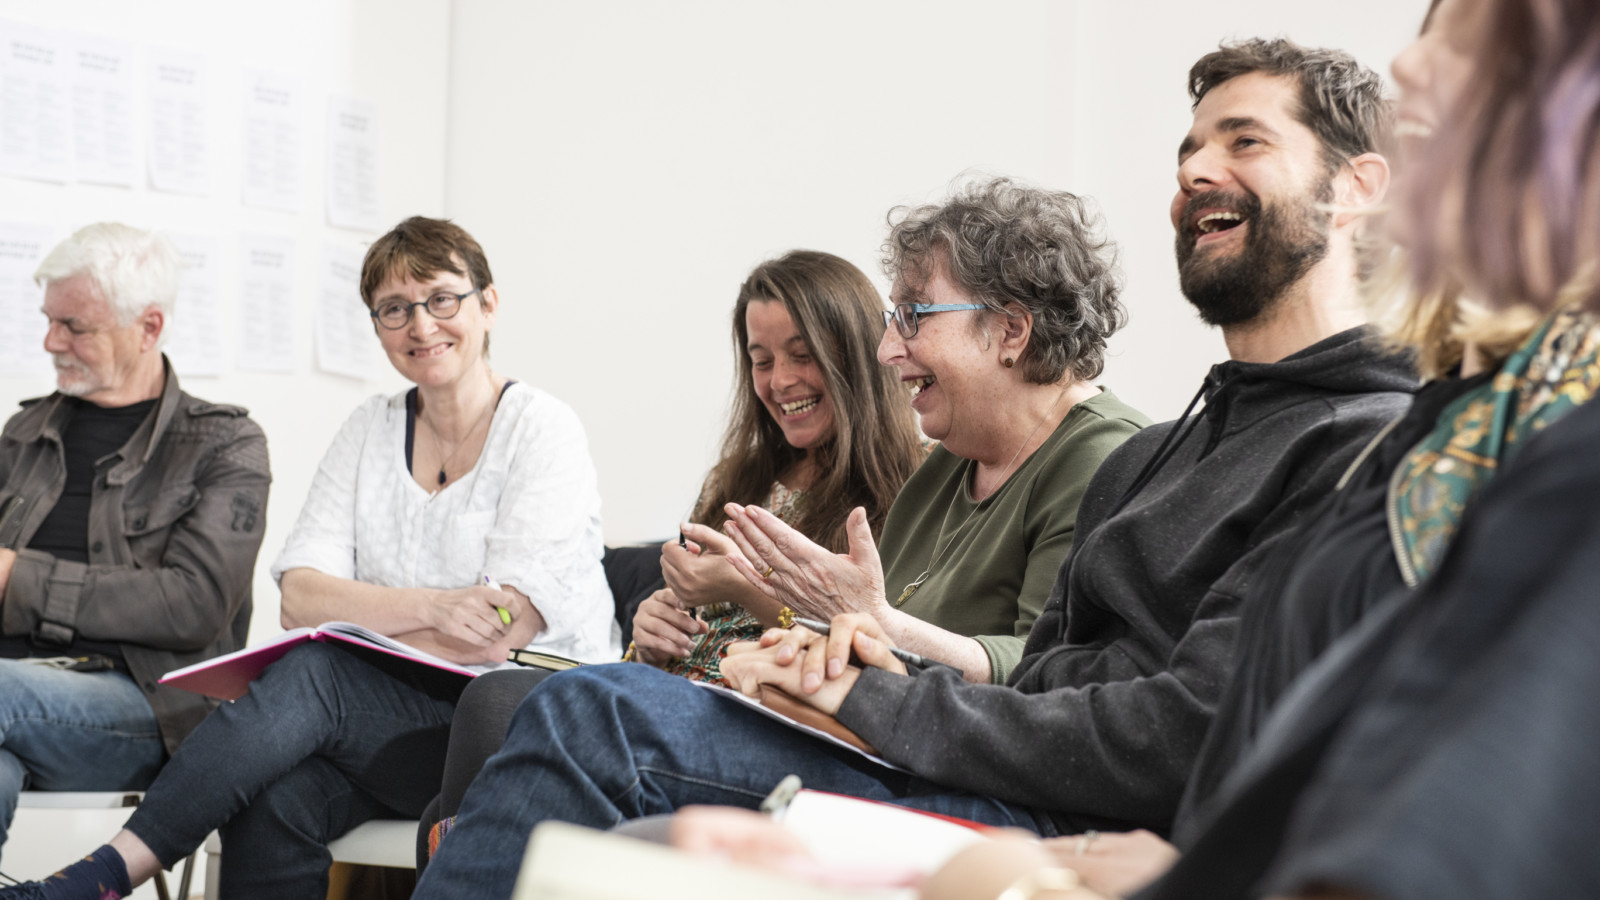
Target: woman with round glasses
1004 299
460 517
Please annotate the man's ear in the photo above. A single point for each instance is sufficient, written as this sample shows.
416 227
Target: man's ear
1359 187
151 323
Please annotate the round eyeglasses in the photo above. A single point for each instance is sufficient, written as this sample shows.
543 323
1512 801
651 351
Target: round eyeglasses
904 316
396 314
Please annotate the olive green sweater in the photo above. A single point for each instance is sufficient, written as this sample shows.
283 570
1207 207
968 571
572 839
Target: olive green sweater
991 573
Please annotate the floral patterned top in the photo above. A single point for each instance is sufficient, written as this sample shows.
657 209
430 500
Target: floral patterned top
730 622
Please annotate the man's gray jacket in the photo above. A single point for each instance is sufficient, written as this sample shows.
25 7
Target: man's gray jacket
175 521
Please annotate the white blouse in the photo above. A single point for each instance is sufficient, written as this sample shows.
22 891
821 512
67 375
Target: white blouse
527 516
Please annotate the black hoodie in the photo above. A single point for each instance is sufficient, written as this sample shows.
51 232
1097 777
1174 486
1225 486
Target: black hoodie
1103 718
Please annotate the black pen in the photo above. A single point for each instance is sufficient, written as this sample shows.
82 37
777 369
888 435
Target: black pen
905 656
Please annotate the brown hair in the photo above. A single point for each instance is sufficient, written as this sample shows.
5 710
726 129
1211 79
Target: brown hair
1004 242
1341 101
422 248
875 445
1507 195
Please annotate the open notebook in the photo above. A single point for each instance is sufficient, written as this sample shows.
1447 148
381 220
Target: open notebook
228 677
862 850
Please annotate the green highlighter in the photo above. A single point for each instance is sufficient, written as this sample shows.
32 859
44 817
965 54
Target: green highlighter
505 615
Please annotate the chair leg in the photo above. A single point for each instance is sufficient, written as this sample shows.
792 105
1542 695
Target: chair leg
188 875
183 880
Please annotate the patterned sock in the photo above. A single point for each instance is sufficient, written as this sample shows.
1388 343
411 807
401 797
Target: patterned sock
99 876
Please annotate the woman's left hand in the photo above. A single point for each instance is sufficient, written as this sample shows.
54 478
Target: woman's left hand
788 568
701 574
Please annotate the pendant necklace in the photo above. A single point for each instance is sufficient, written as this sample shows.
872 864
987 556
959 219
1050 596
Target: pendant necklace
938 550
446 460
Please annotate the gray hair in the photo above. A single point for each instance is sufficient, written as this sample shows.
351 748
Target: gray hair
1005 242
133 269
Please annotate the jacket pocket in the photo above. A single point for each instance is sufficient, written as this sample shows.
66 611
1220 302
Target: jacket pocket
148 528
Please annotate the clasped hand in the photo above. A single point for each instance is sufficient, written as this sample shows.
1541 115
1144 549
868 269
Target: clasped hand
795 572
809 666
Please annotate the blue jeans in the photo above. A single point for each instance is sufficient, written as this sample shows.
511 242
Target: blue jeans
603 744
72 731
322 742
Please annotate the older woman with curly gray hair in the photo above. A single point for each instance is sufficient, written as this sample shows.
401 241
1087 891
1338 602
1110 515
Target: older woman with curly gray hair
1004 296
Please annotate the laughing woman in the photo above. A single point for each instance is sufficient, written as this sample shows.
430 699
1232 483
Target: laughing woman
1004 297
424 500
817 429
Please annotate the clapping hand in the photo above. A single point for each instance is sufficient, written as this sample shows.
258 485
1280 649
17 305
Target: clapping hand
795 572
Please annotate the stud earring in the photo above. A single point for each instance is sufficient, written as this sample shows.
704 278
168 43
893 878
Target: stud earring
1009 362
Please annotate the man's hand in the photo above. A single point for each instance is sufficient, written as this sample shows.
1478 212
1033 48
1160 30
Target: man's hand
8 558
749 665
856 632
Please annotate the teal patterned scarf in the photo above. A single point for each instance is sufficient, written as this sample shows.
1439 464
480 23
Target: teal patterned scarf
1552 373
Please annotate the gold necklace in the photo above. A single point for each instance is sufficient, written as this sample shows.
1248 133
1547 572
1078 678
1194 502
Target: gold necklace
911 588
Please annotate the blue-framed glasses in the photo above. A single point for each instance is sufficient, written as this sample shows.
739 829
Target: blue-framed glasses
396 314
904 316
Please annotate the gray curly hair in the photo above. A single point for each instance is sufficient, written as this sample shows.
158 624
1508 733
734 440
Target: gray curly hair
1005 242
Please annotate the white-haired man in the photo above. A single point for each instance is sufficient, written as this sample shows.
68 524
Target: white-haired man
130 518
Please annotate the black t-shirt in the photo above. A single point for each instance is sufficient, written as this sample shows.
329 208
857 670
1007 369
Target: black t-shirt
91 434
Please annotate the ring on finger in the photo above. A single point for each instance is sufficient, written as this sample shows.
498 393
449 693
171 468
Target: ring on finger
767 572
1084 840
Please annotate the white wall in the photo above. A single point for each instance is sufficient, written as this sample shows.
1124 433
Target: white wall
626 163
1133 109
393 52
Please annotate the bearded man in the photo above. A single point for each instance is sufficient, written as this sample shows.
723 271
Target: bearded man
130 517
1099 725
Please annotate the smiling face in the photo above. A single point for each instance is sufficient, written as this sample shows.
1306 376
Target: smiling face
787 379
436 352
1246 219
95 355
944 364
1431 74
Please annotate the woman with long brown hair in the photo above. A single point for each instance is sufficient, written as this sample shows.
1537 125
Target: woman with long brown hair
817 428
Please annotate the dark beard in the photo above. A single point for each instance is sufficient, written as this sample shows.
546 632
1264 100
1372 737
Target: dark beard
1286 239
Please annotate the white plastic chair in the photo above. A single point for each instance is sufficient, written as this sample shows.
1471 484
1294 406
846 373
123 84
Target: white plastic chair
105 800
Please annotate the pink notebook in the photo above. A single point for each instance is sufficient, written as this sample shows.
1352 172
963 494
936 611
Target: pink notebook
228 677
